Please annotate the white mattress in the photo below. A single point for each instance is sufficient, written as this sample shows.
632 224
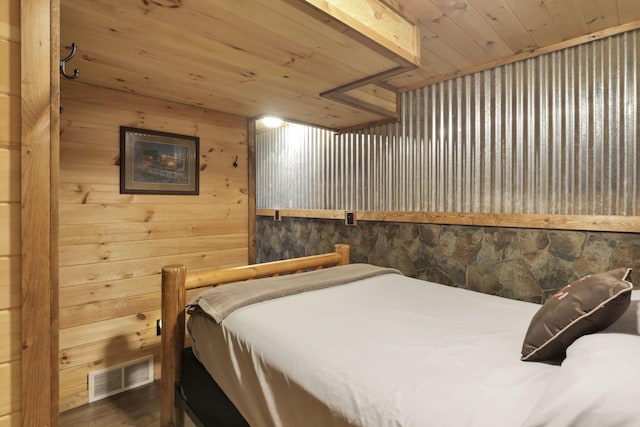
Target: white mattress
385 351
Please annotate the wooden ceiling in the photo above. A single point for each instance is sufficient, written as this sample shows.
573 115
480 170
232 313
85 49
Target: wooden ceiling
332 63
460 37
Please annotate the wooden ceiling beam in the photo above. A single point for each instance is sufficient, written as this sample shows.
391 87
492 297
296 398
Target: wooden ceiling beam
381 25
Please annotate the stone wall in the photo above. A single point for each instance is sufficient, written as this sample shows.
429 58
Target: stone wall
523 264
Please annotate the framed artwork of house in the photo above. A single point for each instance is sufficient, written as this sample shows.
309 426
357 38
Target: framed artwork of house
153 162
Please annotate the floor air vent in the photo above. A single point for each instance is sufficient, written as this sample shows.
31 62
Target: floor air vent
110 381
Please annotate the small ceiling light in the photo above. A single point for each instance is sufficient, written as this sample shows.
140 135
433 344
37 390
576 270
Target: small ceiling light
272 122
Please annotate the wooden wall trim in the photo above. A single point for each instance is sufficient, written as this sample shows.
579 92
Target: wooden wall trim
251 159
40 23
54 185
614 223
303 213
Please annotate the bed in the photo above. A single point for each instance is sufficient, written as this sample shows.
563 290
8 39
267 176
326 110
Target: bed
359 345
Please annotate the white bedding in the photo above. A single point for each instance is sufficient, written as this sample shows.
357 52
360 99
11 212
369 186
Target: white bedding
385 351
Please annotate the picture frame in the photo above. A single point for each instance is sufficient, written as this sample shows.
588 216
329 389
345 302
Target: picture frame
153 162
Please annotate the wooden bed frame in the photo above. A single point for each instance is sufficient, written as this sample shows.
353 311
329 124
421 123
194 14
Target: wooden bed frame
175 283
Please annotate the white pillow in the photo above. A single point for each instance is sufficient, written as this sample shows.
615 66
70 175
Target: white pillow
598 385
629 322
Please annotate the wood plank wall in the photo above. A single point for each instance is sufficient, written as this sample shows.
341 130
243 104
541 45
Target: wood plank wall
10 405
112 245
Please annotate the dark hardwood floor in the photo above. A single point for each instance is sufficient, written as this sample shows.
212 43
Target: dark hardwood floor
139 407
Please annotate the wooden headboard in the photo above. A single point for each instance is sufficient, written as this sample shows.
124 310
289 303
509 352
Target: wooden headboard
175 283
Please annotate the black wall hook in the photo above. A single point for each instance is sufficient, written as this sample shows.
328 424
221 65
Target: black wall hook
235 162
63 63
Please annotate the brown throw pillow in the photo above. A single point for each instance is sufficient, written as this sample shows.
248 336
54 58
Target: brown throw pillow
584 306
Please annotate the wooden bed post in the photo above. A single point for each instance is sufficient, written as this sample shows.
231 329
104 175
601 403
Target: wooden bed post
173 330
343 250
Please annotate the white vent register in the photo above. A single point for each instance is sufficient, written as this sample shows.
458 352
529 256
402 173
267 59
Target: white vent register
116 379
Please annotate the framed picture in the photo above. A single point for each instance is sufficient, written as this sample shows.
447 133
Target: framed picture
154 162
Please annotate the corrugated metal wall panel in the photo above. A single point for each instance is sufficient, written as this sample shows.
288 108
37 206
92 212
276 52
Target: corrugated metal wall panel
555 134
